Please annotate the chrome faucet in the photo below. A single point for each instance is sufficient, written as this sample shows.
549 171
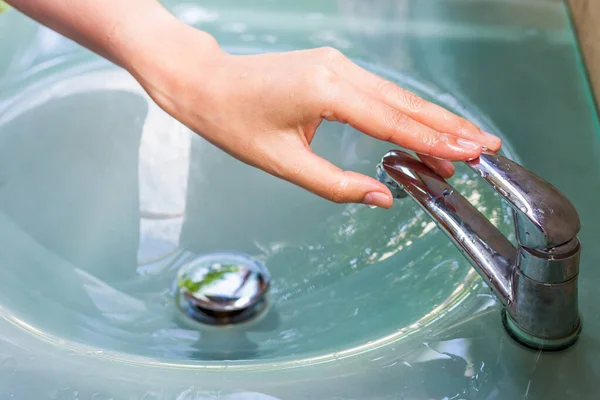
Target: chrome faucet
535 282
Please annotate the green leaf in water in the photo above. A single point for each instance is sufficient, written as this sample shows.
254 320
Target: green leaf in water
214 275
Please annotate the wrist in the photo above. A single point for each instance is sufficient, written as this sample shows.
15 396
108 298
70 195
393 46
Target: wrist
152 46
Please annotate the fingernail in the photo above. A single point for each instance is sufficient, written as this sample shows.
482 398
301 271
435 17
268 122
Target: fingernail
495 140
447 172
377 199
467 144
490 135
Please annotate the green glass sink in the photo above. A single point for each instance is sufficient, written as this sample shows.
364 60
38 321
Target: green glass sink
103 197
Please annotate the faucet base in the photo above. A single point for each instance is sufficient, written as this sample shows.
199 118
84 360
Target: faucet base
537 343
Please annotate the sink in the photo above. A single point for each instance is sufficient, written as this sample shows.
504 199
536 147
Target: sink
104 197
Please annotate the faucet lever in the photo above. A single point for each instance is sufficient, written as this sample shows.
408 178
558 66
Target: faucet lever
535 282
544 217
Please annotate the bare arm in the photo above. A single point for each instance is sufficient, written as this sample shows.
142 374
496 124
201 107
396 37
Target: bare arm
124 32
263 109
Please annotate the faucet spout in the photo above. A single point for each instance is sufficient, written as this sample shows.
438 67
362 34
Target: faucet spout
487 249
536 281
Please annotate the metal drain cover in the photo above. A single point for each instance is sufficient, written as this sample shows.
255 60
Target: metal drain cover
222 288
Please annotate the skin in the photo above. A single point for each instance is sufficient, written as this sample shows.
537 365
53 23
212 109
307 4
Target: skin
264 109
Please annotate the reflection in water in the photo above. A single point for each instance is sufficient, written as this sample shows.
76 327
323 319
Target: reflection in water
163 177
70 178
217 344
112 303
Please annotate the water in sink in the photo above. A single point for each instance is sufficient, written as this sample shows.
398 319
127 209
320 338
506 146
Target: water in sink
104 197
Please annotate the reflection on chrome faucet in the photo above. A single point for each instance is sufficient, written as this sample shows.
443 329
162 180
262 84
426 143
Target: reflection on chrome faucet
537 282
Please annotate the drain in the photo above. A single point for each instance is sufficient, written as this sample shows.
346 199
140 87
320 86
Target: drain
222 288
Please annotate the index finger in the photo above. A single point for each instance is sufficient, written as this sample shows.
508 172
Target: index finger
375 118
419 109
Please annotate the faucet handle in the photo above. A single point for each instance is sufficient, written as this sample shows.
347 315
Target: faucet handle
544 217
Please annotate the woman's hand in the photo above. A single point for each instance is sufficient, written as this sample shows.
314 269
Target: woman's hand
264 110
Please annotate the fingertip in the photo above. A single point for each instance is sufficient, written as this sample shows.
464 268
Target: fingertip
446 171
377 192
493 142
464 150
384 189
443 168
378 199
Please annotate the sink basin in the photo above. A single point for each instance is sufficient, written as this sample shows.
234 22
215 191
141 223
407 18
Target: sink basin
103 197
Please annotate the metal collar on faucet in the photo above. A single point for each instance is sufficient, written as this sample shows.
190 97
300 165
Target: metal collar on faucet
536 282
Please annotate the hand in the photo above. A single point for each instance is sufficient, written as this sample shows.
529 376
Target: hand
264 110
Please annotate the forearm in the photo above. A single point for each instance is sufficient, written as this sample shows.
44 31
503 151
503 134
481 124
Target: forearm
132 33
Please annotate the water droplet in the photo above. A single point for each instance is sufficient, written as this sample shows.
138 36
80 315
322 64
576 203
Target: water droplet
447 192
372 207
484 174
407 364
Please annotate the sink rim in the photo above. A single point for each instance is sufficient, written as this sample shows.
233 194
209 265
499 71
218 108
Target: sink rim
436 315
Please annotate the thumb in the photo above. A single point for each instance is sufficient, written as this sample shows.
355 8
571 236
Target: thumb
324 179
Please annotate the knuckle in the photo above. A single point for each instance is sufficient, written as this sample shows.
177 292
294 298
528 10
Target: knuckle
413 102
329 54
464 126
397 120
321 76
323 83
431 143
387 88
337 191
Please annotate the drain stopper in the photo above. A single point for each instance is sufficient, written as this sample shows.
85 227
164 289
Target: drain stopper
222 288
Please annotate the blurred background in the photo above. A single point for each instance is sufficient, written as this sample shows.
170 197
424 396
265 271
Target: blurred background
586 18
